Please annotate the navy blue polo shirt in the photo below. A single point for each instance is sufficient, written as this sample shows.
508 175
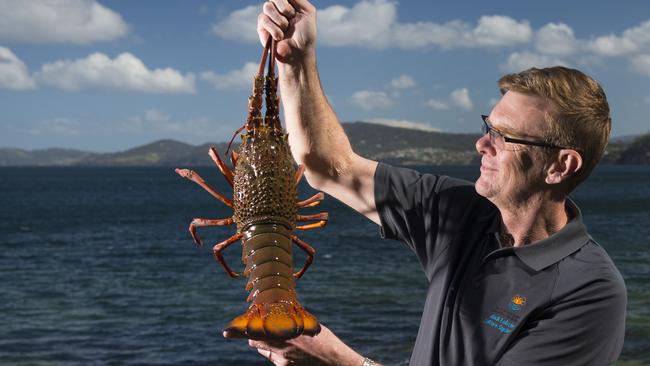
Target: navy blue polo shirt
558 301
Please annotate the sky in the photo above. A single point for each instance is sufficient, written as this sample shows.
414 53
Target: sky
111 75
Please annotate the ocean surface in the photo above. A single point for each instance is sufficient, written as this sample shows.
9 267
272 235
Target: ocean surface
97 267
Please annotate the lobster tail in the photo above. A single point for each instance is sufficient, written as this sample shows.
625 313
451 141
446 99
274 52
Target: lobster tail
275 312
273 322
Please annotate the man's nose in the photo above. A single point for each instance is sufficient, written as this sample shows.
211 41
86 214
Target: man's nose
484 146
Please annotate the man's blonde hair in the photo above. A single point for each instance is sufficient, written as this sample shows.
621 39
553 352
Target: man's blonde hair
578 116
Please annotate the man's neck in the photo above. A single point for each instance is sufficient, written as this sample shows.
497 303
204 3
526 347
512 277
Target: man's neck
530 221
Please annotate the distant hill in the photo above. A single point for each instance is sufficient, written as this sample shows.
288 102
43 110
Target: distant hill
43 157
638 152
158 153
407 146
394 145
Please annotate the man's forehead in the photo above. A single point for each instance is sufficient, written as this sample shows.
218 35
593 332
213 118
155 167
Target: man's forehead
516 110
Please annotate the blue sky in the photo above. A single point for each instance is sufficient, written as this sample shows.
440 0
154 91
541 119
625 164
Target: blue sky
110 75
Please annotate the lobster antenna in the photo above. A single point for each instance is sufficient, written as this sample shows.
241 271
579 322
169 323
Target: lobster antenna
267 47
271 71
277 125
271 118
233 138
255 100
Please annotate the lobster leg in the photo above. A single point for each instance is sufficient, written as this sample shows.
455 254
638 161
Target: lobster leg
299 173
222 167
216 250
311 201
205 222
310 255
194 177
315 225
320 216
323 217
233 158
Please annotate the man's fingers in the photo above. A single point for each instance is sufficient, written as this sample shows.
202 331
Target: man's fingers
260 345
284 8
274 346
302 5
261 32
272 12
265 24
265 352
255 344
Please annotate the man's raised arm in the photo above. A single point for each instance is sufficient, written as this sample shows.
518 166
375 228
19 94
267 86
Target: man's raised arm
316 137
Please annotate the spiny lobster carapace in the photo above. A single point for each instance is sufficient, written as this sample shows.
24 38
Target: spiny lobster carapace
265 211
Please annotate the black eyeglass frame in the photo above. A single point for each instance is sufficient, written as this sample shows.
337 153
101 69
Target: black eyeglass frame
488 127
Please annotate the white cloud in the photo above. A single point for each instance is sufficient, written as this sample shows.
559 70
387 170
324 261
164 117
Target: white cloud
240 25
631 40
75 21
56 126
498 30
460 98
367 24
556 39
369 100
421 126
13 72
518 61
425 34
402 82
437 104
641 64
125 72
612 45
374 24
154 121
235 79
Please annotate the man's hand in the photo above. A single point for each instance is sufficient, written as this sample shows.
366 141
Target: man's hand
324 349
292 23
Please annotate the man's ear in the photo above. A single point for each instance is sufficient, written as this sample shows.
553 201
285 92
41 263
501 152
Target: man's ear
567 163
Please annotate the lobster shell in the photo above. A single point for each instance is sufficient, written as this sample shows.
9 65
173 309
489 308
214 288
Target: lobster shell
265 211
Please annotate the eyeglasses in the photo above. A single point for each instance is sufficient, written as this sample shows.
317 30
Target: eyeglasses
498 139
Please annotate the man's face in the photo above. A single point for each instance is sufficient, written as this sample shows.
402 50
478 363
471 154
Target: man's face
511 172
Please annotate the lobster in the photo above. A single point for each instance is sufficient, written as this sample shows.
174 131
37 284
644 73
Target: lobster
265 207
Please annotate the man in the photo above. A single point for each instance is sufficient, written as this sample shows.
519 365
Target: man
514 278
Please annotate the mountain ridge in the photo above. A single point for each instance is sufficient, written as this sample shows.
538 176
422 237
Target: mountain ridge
395 145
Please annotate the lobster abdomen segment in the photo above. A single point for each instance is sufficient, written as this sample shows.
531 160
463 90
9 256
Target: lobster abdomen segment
275 312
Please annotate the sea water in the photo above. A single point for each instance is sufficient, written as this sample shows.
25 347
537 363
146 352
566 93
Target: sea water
97 267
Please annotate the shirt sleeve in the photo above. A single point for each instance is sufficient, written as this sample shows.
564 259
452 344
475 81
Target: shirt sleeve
584 325
415 208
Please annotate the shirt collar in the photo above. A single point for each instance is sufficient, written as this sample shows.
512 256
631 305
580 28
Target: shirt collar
556 247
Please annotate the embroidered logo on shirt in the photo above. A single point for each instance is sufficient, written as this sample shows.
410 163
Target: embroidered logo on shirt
517 302
500 323
504 319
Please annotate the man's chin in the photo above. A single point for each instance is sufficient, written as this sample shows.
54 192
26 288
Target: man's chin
480 187
484 188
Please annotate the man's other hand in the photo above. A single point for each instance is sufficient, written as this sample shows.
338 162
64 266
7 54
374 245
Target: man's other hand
323 349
